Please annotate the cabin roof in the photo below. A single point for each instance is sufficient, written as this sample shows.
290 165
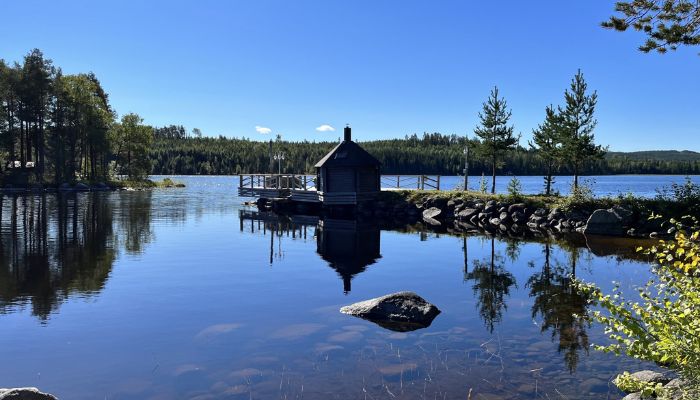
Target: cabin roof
348 154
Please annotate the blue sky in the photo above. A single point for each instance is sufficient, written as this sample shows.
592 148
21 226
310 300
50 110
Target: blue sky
389 68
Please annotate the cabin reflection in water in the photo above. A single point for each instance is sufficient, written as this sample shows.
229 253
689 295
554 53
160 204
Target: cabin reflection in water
348 246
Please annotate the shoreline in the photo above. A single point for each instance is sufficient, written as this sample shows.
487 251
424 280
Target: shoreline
512 216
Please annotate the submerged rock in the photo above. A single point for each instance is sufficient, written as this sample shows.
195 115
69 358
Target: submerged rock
402 311
648 376
26 393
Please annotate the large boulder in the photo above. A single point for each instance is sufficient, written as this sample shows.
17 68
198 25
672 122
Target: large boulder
605 222
26 393
467 213
402 311
517 207
432 213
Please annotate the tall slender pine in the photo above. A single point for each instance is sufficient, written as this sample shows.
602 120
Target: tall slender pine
546 140
577 125
495 133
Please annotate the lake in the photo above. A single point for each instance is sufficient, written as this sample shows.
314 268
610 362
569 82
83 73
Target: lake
187 294
604 185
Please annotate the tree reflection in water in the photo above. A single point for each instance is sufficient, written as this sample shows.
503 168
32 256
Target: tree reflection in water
52 246
561 307
492 284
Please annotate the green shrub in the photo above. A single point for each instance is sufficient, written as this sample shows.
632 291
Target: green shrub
515 189
482 183
627 383
687 194
663 326
580 196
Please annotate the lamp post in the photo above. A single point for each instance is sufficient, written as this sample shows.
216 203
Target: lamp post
466 167
279 156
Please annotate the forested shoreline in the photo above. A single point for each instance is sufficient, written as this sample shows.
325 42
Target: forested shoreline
432 153
58 128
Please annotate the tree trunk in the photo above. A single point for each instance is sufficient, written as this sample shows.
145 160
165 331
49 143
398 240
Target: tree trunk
22 159
493 180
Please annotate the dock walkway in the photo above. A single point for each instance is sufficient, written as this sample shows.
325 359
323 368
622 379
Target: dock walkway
302 187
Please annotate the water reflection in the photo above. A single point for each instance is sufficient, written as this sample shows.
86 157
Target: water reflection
198 316
349 247
560 306
491 286
53 246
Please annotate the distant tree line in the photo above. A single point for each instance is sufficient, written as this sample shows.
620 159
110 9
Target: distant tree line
563 144
430 153
58 128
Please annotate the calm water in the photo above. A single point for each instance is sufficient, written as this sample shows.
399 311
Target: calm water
184 293
608 185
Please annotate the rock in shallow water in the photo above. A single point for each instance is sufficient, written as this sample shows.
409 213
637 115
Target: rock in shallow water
27 393
647 376
402 311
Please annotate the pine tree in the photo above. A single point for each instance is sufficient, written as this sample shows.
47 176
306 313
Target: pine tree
546 140
495 134
577 125
667 23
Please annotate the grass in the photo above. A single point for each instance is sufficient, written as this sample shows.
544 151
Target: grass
146 184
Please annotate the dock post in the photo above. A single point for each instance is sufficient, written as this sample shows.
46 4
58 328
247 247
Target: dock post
398 181
438 182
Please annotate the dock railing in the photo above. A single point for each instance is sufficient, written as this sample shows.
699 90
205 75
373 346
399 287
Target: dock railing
277 181
415 182
249 184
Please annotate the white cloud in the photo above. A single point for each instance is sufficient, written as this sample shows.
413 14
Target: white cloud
263 130
325 128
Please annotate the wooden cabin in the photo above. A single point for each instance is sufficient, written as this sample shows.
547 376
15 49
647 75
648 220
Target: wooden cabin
348 174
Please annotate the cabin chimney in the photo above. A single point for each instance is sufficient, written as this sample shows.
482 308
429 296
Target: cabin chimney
347 134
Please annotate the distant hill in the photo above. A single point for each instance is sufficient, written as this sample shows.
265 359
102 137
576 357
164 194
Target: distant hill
657 155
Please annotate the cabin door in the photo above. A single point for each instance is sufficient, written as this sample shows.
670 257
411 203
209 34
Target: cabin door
341 180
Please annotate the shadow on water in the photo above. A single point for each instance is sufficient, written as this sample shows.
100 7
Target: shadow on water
54 246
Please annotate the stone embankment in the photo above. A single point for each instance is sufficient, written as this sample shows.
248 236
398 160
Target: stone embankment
517 217
508 217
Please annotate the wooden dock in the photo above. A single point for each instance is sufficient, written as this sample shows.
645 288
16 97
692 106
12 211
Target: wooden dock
302 187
